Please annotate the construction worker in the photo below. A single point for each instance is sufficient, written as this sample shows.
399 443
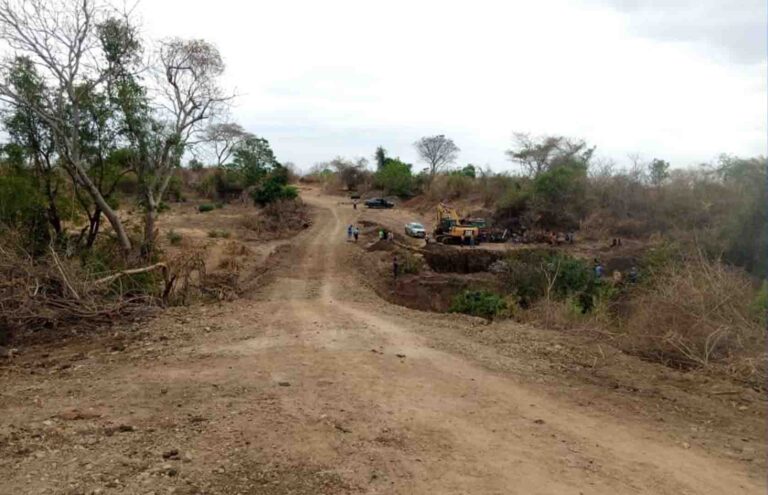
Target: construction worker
633 275
354 205
599 270
356 233
349 232
395 266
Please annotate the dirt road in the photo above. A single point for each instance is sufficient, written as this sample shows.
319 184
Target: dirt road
315 385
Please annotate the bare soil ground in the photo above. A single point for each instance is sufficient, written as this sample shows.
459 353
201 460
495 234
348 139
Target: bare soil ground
313 384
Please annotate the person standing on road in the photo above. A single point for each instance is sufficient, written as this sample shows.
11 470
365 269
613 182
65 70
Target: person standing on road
354 205
356 233
349 232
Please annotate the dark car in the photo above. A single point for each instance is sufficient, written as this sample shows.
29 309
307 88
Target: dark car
378 203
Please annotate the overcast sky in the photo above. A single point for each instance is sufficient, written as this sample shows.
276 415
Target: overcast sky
673 79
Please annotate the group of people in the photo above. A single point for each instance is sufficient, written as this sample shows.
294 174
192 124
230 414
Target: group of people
385 235
599 270
352 233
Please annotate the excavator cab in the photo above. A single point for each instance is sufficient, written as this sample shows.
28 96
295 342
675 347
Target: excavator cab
450 229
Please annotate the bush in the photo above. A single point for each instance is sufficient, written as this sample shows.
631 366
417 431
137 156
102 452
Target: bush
273 188
411 263
695 314
218 234
279 218
206 207
481 303
174 238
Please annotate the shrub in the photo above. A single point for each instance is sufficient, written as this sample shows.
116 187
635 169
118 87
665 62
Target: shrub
481 303
174 238
206 207
411 263
218 234
695 313
280 217
273 188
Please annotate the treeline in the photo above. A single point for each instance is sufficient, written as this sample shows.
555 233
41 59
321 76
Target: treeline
98 121
559 184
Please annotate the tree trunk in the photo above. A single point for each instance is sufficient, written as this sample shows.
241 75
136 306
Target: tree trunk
149 232
114 220
93 228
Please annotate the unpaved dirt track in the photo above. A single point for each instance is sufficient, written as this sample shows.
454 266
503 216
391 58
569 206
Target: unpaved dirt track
333 389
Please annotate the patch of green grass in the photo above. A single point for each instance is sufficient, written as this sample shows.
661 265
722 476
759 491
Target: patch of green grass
481 303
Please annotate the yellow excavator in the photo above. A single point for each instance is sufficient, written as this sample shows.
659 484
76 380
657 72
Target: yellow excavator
451 229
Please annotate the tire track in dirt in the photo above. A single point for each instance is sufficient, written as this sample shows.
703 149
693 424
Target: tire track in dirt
464 429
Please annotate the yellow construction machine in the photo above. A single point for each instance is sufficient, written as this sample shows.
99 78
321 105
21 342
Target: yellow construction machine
451 229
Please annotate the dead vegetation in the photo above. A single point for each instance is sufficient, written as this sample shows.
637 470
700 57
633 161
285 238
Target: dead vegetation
279 219
55 292
699 314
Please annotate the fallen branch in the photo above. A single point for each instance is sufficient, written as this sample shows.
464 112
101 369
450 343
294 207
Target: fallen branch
134 271
57 262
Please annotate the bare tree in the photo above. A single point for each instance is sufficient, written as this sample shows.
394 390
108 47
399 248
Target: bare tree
221 139
60 38
437 151
189 95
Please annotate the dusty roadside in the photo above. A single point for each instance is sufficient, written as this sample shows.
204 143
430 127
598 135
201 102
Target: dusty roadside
312 384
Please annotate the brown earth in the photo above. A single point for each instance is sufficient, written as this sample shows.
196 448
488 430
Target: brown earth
313 384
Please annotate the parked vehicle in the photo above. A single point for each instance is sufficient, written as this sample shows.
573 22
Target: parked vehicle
415 229
378 203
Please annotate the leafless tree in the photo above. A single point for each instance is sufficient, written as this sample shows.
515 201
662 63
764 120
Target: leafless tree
189 95
221 140
60 37
437 151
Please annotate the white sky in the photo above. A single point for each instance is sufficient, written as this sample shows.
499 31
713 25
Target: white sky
334 77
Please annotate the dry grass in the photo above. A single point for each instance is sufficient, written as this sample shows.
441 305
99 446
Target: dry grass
279 219
698 314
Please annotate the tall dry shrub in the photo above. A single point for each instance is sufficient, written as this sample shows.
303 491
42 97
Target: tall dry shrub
698 313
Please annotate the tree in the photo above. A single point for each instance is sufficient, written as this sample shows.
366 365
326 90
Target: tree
350 173
395 177
60 39
437 151
222 139
195 164
32 136
538 155
658 171
380 157
253 160
190 95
